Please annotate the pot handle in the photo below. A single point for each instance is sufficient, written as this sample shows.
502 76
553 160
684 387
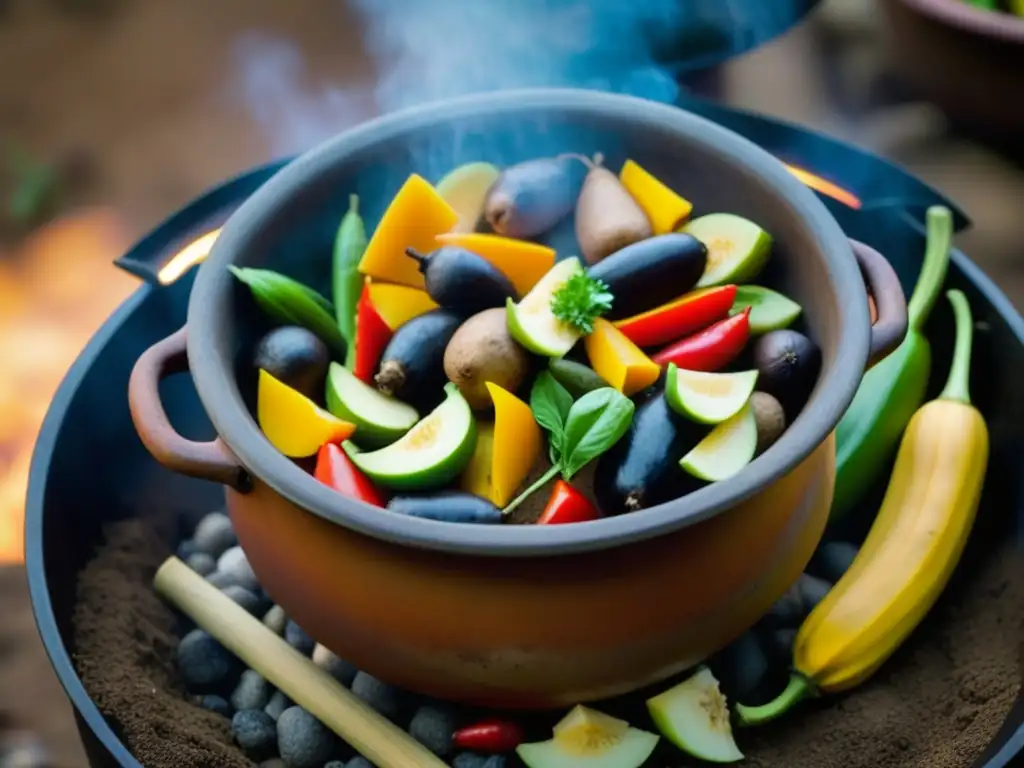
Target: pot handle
207 461
890 327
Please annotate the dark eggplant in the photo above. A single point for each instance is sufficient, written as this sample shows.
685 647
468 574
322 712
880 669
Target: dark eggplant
530 198
643 275
788 363
642 469
412 365
296 357
461 281
448 507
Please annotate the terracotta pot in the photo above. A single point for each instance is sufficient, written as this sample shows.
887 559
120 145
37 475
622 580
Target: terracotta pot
968 60
522 616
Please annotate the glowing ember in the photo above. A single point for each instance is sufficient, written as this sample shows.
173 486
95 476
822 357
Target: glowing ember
191 254
825 187
55 292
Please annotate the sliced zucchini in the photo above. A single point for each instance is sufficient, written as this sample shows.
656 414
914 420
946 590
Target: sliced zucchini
586 738
379 418
708 398
769 310
532 323
737 248
728 448
694 716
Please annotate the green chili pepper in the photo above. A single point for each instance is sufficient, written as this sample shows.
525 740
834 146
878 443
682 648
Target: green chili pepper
988 5
349 245
890 393
1017 7
290 302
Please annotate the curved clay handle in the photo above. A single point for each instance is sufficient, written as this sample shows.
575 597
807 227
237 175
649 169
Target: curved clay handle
207 461
890 327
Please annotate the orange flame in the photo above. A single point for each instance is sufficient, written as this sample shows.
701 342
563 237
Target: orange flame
825 186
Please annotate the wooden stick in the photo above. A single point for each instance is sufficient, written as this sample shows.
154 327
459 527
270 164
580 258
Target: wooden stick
377 738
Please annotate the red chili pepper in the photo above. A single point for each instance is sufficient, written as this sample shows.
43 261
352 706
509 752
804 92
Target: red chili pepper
567 505
493 736
711 349
372 335
687 314
336 470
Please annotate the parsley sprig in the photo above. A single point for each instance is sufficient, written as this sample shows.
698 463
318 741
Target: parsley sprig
580 301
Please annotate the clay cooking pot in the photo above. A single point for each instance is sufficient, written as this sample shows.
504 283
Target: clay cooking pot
522 616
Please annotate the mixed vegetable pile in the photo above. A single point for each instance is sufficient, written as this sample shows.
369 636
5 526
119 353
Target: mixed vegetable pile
460 359
1015 7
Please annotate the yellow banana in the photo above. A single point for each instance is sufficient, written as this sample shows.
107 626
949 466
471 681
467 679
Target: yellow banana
911 550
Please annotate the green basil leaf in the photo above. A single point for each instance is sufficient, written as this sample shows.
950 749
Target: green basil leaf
550 403
596 422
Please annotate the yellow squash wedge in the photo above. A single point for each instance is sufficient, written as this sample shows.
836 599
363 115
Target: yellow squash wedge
665 209
618 360
293 423
398 304
505 451
416 215
522 262
910 551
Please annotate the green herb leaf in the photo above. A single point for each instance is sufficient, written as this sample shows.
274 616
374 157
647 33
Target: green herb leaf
290 302
595 423
550 403
580 301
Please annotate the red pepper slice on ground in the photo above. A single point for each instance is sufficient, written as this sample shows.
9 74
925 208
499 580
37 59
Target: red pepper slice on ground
712 349
489 736
567 505
372 335
336 470
681 317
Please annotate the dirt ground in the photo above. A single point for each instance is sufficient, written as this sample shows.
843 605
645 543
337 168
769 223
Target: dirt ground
149 93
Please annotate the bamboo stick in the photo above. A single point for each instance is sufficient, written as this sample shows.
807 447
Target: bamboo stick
375 737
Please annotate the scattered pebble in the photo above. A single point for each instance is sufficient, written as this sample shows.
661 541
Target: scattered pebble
214 534
385 698
336 764
433 726
494 761
217 704
220 580
255 732
252 691
275 762
236 564
833 560
275 619
303 741
342 671
186 549
469 760
780 645
297 638
741 666
278 703
205 665
355 762
787 611
245 598
201 563
812 591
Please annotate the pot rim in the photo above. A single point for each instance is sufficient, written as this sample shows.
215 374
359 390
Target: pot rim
223 402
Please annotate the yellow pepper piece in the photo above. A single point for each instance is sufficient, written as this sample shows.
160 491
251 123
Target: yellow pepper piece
416 215
522 262
476 477
618 360
398 304
665 209
295 425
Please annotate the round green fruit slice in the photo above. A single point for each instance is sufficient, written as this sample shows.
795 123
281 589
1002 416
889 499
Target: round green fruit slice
586 738
379 419
708 398
429 455
532 323
769 310
726 450
694 716
737 248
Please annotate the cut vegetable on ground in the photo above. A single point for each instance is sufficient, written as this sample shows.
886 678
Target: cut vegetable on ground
737 248
708 398
694 716
586 738
726 450
379 419
430 454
